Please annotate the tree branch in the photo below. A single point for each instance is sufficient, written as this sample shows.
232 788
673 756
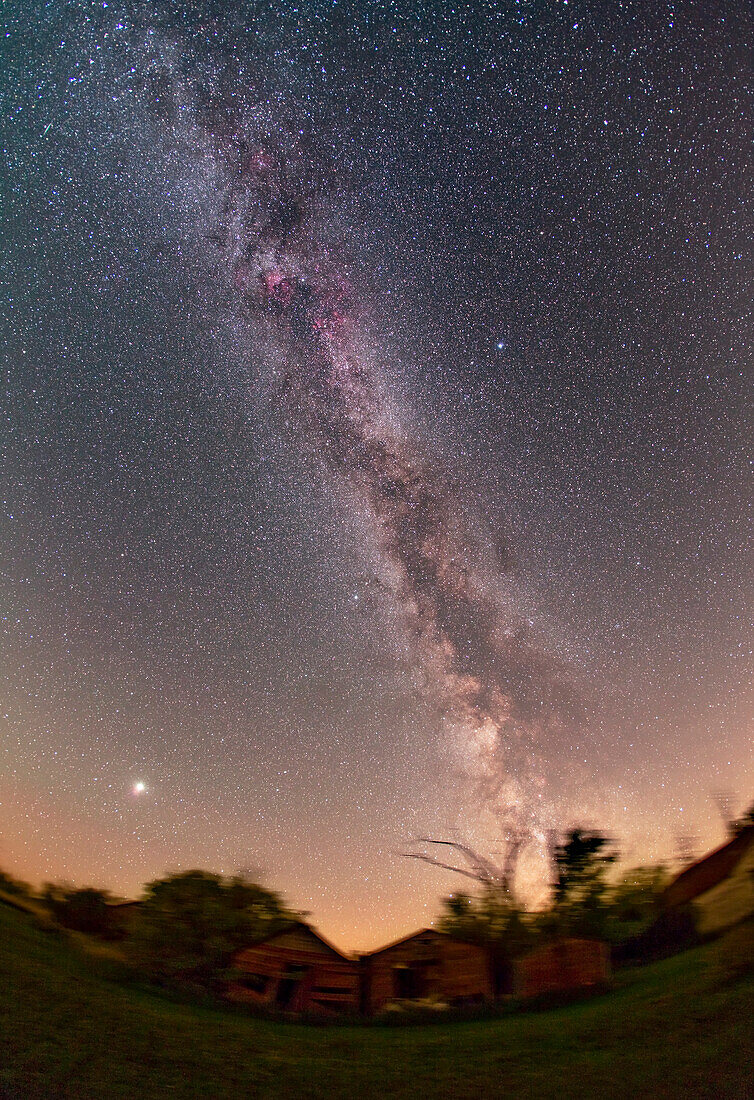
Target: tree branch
485 871
445 866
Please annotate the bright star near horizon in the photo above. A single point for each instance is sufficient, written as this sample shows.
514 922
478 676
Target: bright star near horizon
139 787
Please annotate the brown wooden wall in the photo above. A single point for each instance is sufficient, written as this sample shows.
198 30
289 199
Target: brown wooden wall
429 964
567 964
295 972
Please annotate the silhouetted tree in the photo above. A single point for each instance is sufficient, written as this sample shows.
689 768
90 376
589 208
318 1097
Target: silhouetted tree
580 864
190 925
11 885
745 821
579 906
633 903
84 910
492 920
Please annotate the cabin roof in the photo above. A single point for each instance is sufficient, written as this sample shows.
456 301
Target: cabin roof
301 926
405 939
710 870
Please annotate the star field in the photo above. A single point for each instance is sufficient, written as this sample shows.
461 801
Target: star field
376 438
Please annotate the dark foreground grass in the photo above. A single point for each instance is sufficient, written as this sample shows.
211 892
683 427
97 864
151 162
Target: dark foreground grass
680 1028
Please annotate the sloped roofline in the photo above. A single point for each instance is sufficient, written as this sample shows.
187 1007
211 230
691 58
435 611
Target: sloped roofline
301 924
403 939
709 870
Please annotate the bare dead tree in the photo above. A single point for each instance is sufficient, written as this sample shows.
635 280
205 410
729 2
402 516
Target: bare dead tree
725 801
510 860
479 868
685 849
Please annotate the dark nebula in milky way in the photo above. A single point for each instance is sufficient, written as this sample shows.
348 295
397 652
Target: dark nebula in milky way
477 662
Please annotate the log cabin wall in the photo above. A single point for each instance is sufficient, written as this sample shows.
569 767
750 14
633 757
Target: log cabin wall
427 964
296 971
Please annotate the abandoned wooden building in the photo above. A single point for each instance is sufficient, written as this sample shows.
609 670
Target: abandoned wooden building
426 964
297 970
562 966
720 886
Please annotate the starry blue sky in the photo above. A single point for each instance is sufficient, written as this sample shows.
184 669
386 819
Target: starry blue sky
542 211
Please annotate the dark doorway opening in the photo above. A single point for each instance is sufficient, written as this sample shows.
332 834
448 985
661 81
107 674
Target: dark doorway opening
288 986
410 982
503 977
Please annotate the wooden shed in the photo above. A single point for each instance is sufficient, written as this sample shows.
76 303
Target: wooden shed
720 886
426 964
297 970
562 966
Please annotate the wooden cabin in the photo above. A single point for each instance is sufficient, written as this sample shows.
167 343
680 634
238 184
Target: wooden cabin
720 886
296 970
426 964
563 966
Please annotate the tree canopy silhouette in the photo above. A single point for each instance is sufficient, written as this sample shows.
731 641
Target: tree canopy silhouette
190 925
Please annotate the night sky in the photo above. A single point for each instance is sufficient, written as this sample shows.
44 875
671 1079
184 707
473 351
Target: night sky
375 442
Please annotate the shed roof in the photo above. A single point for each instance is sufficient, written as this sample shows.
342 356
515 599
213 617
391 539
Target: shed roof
405 939
709 871
302 926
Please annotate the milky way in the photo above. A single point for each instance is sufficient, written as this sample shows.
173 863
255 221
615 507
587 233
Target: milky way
475 659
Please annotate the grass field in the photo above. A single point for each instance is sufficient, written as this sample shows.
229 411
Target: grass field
679 1028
